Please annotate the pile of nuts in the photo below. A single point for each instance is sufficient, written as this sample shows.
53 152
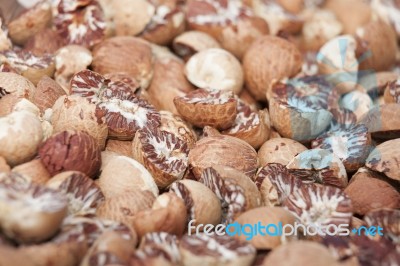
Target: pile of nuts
131 129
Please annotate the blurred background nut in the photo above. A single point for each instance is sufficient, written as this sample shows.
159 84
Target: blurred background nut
12 83
46 41
46 94
19 129
279 150
191 42
11 103
120 147
34 170
71 151
175 125
4 167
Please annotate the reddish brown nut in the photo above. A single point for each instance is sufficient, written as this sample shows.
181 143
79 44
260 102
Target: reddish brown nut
259 73
46 41
34 170
300 253
392 92
69 60
12 83
202 205
268 215
46 94
319 166
279 150
168 82
275 183
28 65
168 214
164 154
223 151
71 151
236 191
207 108
381 57
80 22
84 196
29 23
121 147
124 54
192 42
384 158
250 126
76 113
120 174
175 125
44 208
216 249
20 129
369 190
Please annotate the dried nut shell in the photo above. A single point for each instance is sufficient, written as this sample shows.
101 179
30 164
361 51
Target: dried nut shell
124 54
175 125
192 42
215 69
279 150
368 191
46 94
120 147
19 129
300 253
207 108
34 170
202 205
224 151
11 83
268 215
384 158
258 70
122 174
76 113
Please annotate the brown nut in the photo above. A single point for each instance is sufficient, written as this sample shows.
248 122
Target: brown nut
392 91
369 190
5 42
4 167
202 205
46 94
34 170
46 41
29 22
20 129
215 69
76 113
268 215
121 147
71 151
224 151
175 125
259 73
124 54
202 249
279 150
11 103
12 83
192 42
207 108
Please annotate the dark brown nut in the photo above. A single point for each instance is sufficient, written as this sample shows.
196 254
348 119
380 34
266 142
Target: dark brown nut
175 125
120 174
46 94
279 150
4 167
202 205
164 154
319 166
207 108
69 60
392 92
300 253
369 190
30 22
125 54
163 241
76 113
44 208
125 117
168 82
71 151
234 189
275 184
12 83
320 205
223 250
80 22
28 65
388 220
215 69
34 170
268 215
168 214
250 126
223 151
46 41
192 42
19 129
83 195
351 144
384 158
381 57
120 147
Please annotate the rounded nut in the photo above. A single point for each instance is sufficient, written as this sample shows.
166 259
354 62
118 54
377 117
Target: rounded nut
11 83
34 170
11 103
192 42
46 94
279 150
